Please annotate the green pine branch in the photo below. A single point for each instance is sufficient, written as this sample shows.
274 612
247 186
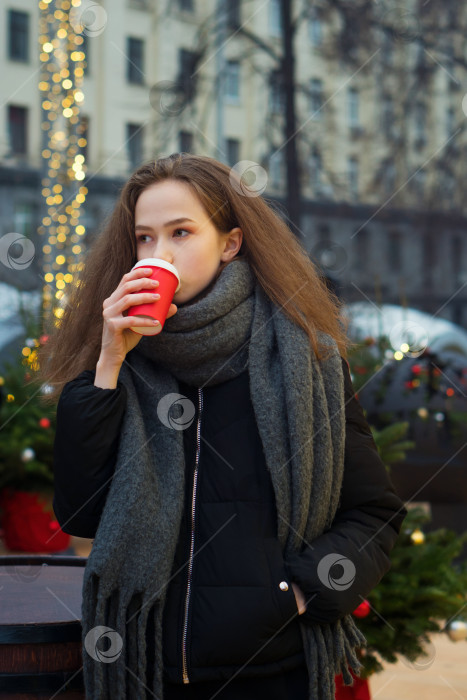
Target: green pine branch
424 587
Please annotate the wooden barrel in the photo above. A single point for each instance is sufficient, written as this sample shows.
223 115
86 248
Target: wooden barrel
40 627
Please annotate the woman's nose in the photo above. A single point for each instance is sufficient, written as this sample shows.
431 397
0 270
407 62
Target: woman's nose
163 252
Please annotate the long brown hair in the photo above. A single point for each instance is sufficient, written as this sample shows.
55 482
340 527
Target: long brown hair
279 262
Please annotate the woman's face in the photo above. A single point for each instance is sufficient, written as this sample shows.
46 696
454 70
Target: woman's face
171 223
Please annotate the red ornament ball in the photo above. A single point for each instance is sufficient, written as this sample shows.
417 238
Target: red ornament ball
43 339
360 369
363 609
44 423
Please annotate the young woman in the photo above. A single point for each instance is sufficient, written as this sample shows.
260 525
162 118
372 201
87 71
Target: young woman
224 468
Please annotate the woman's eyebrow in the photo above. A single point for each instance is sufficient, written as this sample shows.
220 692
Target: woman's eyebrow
167 224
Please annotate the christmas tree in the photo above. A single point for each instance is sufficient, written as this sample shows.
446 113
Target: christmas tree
424 591
27 424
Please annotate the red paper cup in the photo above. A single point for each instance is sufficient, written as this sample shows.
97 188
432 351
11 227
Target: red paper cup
169 284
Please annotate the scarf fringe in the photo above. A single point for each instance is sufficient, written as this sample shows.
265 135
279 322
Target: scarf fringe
157 684
331 650
125 678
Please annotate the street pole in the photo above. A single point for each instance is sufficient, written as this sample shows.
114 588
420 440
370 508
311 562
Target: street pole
293 199
220 68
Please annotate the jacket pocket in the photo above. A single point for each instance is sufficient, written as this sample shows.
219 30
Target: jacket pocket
252 622
281 585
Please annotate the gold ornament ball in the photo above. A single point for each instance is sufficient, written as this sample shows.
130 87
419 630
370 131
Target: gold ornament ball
417 536
457 630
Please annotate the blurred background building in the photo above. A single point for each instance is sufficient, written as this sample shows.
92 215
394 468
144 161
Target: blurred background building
355 122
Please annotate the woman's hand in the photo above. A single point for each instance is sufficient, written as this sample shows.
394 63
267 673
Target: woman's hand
299 599
117 338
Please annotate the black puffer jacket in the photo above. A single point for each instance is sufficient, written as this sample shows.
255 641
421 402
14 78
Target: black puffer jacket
230 606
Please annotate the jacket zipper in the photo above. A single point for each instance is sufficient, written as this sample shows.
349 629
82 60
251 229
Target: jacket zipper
190 564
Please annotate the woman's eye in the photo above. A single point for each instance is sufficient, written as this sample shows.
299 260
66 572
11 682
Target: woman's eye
177 231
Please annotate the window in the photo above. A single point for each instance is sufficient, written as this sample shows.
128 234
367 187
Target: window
18 36
324 233
24 218
316 98
420 57
387 116
233 14
429 258
387 49
135 61
362 245
316 171
232 80
186 5
448 188
275 18
395 250
233 151
420 123
456 254
352 169
134 142
448 58
276 170
353 107
315 29
185 140
450 67
389 176
18 130
450 121
419 184
187 61
276 95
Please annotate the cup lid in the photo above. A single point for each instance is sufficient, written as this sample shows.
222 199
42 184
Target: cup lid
158 262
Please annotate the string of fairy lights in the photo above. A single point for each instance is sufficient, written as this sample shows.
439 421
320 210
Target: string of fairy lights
63 162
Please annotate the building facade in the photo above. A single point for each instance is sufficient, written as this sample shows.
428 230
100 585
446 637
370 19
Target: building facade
379 114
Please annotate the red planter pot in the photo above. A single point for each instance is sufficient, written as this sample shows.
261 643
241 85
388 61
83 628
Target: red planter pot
29 523
360 690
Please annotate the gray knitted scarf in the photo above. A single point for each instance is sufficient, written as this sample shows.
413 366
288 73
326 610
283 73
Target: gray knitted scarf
299 408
